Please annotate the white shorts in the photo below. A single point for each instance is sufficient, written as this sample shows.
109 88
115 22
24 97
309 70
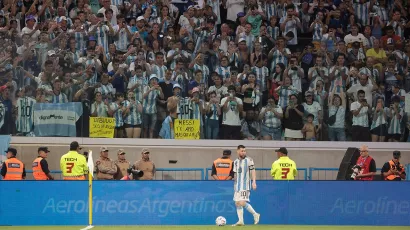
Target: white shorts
242 196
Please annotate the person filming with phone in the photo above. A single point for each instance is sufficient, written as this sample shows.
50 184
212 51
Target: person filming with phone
232 106
360 109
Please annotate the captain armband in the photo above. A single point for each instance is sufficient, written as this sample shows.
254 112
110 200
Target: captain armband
252 167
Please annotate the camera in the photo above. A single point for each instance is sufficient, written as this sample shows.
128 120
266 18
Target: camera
356 170
135 173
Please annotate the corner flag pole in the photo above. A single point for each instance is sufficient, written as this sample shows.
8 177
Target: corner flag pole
90 164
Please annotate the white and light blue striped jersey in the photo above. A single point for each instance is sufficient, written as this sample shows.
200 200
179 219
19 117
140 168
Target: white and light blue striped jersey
100 108
205 73
25 112
270 9
61 98
184 109
105 90
134 116
382 13
116 2
196 112
373 72
262 74
291 26
395 122
362 13
150 101
399 31
362 118
119 121
213 114
296 79
250 39
80 40
279 57
269 119
284 93
317 32
138 91
215 4
224 71
122 40
380 120
159 71
101 34
130 59
242 169
273 32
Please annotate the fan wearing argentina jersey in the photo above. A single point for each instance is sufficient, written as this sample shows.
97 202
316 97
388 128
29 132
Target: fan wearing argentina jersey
244 169
101 29
99 108
137 83
122 34
25 112
159 68
151 93
132 116
184 109
105 88
58 96
197 106
117 110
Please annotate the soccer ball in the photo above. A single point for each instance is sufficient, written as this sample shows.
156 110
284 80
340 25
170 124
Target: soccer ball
220 221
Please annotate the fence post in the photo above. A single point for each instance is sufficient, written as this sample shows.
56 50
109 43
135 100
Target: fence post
310 173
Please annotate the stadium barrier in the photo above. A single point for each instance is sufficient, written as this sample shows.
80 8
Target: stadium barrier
323 172
200 202
161 174
264 174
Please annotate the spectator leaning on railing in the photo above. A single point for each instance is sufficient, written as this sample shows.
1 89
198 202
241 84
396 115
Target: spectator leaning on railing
89 52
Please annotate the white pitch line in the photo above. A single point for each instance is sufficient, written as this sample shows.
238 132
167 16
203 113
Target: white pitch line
88 227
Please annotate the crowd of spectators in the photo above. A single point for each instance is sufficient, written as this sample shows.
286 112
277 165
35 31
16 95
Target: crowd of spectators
247 69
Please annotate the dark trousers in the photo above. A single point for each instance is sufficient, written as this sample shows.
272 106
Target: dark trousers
360 133
231 132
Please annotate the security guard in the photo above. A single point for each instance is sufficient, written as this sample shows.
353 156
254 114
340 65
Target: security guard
73 164
393 170
106 168
122 164
145 165
222 168
40 165
13 168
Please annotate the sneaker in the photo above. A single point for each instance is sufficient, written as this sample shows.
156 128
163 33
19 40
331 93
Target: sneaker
256 218
239 224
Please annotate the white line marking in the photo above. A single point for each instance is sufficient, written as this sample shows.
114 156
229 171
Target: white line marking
88 227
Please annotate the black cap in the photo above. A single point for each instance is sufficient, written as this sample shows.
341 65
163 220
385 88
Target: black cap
282 150
45 149
74 145
12 150
227 152
396 154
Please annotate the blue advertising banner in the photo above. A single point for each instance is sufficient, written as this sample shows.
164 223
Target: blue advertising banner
56 119
200 202
4 144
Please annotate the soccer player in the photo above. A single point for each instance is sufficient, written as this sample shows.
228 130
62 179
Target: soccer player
284 168
244 170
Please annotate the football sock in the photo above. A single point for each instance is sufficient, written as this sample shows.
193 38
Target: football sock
250 209
239 211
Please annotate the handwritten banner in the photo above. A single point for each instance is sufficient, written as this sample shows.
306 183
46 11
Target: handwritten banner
187 129
102 127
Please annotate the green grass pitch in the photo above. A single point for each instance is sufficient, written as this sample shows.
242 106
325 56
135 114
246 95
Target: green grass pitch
248 227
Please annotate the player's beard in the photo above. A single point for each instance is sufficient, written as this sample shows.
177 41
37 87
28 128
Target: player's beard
242 157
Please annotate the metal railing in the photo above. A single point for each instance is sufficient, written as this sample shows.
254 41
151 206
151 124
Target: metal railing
320 172
264 174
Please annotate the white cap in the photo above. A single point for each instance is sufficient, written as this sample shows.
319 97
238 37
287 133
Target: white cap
62 18
51 52
140 18
152 76
242 40
176 86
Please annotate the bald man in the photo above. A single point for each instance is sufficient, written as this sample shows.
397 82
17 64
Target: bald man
367 165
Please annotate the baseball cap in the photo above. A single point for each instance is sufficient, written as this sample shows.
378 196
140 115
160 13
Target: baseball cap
74 145
242 40
92 38
43 148
121 152
240 14
12 150
30 17
227 152
51 52
282 150
104 149
145 150
396 154
176 86
308 93
62 18
140 18
152 76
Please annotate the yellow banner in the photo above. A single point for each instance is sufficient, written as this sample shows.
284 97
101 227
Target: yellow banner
102 127
187 129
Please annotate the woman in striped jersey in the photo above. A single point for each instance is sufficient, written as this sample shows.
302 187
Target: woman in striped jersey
117 110
132 116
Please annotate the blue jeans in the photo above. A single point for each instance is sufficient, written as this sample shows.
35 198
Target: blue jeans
337 134
212 129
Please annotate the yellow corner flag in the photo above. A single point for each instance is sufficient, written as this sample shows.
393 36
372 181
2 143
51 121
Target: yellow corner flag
90 164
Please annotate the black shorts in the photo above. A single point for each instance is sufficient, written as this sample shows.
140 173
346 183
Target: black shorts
380 131
127 126
396 137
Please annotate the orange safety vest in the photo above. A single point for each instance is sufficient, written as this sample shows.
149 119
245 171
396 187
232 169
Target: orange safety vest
14 169
393 166
223 167
38 172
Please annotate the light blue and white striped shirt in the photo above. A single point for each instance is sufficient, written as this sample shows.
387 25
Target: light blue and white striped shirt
150 101
100 108
242 168
25 113
159 71
61 98
262 74
122 40
119 121
362 13
138 91
224 71
134 116
395 123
